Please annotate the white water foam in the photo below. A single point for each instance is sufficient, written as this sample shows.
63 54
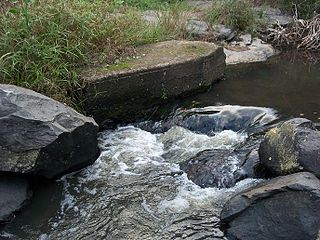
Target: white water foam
129 154
181 144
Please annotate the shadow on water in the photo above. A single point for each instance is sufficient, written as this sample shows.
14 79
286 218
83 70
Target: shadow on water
285 83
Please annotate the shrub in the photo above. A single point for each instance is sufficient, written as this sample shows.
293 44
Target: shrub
238 14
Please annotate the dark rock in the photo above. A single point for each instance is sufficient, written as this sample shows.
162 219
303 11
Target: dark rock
210 120
249 157
40 136
282 208
292 147
14 192
213 168
225 167
213 119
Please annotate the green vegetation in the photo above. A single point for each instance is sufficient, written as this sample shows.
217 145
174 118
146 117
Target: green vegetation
305 8
146 4
238 14
44 42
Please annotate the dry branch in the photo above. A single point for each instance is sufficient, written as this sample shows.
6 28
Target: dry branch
302 34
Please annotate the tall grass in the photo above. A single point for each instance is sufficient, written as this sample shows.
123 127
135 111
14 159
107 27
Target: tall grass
44 42
238 14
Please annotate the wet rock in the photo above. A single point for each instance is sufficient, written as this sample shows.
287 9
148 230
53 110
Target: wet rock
248 153
14 192
210 120
258 51
292 147
197 27
223 33
213 119
213 168
282 208
40 136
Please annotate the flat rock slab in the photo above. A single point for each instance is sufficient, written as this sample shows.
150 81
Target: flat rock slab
282 208
158 72
239 52
13 194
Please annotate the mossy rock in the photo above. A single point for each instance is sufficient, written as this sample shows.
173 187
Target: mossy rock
291 147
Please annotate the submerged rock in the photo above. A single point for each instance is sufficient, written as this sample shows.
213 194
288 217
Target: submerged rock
213 168
291 147
40 136
282 208
213 119
223 168
14 192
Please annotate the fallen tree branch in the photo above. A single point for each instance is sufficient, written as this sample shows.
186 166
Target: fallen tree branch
301 34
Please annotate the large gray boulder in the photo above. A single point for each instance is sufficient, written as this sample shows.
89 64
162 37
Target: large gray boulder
284 208
293 146
40 136
14 192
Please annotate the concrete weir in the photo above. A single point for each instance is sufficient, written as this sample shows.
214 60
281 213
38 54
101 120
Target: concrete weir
158 72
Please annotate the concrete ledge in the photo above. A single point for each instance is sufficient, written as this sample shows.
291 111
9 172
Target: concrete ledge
159 72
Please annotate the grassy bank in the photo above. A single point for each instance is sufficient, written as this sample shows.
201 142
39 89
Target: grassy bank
44 42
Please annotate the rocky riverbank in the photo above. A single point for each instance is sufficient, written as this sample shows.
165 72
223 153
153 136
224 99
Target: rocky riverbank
284 207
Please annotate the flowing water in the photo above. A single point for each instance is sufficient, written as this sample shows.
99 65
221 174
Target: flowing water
136 189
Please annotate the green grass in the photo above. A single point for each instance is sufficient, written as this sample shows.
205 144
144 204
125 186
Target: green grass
44 42
238 14
146 4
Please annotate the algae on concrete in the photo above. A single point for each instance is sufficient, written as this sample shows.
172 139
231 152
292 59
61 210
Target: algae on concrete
153 55
157 73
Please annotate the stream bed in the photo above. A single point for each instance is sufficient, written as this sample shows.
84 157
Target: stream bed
137 190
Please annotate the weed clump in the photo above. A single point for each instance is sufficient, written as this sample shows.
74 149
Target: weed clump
238 14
